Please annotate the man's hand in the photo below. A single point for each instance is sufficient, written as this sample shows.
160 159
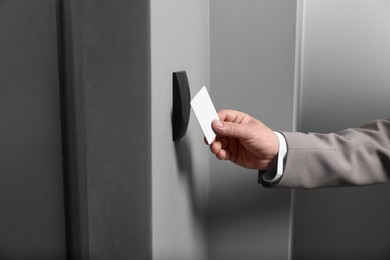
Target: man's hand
245 141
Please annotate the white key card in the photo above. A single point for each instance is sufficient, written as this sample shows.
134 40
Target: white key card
205 113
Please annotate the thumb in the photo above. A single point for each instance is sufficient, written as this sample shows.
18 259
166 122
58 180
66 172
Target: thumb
229 129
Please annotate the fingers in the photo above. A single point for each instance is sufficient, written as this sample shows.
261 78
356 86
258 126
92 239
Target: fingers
219 148
232 123
223 155
232 116
229 129
216 147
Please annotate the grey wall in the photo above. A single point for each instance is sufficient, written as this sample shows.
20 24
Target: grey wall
180 171
76 179
129 51
252 69
32 218
344 83
130 191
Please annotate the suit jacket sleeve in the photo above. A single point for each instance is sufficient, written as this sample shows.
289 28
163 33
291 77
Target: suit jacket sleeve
358 156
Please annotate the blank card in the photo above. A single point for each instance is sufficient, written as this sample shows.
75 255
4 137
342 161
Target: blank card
205 113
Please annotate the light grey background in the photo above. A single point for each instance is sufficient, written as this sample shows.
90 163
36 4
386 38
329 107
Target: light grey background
252 69
345 82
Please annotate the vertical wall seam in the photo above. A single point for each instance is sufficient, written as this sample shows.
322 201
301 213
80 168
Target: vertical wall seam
64 135
299 44
298 70
73 128
149 118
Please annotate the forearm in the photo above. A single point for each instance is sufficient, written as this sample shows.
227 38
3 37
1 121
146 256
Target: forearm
358 156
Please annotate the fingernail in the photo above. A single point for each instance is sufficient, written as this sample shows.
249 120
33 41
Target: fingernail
219 124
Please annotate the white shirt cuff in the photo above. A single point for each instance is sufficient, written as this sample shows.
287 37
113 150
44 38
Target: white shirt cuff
272 176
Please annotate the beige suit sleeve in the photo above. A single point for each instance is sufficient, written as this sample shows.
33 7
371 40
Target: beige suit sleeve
358 156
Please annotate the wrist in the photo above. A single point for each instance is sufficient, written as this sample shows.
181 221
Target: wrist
272 166
275 172
275 146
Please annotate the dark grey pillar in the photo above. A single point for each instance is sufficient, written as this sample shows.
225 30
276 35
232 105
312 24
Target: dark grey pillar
116 53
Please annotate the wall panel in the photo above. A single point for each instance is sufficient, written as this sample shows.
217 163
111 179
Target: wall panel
180 172
252 69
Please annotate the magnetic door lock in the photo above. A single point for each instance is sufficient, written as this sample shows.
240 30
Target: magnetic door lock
181 105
